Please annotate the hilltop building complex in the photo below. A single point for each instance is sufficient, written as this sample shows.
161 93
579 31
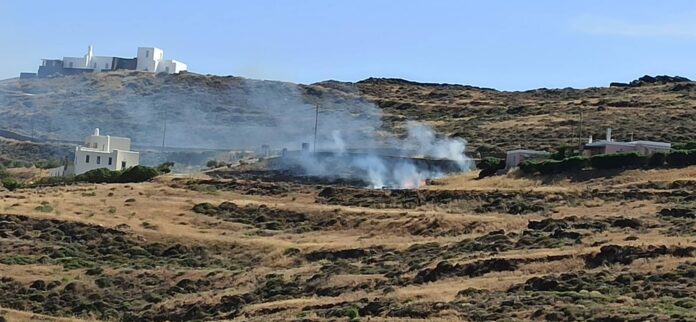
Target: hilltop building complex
148 59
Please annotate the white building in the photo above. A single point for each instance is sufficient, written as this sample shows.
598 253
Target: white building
514 157
101 151
89 61
609 146
151 59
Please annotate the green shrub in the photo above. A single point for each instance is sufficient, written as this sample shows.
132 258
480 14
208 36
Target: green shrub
489 166
564 152
102 175
575 163
681 158
10 184
691 145
657 160
529 166
165 167
617 161
138 173
134 174
211 164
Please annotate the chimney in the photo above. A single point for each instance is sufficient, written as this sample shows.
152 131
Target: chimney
590 139
96 132
609 134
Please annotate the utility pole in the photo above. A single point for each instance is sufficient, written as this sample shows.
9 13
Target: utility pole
316 125
581 120
164 129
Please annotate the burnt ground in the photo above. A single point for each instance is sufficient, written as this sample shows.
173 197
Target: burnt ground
264 249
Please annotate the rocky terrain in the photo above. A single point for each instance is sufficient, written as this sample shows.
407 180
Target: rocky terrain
262 247
254 245
211 111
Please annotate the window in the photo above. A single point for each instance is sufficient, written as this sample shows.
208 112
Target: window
106 65
123 164
95 65
87 158
98 159
70 64
166 69
147 53
111 160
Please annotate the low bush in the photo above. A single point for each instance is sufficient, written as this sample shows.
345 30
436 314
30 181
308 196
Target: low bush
681 158
10 184
489 166
134 174
137 173
657 160
617 161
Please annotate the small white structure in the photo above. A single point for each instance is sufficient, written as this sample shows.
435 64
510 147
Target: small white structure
151 59
609 146
89 61
101 151
515 157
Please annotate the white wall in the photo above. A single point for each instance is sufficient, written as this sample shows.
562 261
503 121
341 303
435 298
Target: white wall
82 166
149 58
103 62
129 157
77 62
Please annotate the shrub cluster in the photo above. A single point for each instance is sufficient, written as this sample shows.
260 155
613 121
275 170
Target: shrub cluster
555 166
674 159
137 173
489 166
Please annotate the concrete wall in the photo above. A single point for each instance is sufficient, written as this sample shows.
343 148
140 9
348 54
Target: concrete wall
107 143
102 62
124 63
171 67
75 62
148 58
97 160
130 159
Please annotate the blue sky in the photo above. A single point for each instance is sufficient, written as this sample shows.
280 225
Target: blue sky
511 45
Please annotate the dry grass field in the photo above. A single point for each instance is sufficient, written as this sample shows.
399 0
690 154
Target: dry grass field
618 248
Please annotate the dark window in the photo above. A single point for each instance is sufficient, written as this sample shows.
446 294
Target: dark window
95 65
123 164
106 65
87 158
147 53
110 160
98 159
70 65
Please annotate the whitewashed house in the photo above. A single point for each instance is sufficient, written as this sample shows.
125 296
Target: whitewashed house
609 146
104 151
151 59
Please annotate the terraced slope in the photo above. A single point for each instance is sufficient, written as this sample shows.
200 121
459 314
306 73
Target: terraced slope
621 248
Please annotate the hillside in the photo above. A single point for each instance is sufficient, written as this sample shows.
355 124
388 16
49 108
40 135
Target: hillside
208 249
231 112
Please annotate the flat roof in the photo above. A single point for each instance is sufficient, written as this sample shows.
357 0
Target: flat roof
528 151
632 143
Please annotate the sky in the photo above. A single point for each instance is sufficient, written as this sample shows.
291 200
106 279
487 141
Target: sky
508 45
